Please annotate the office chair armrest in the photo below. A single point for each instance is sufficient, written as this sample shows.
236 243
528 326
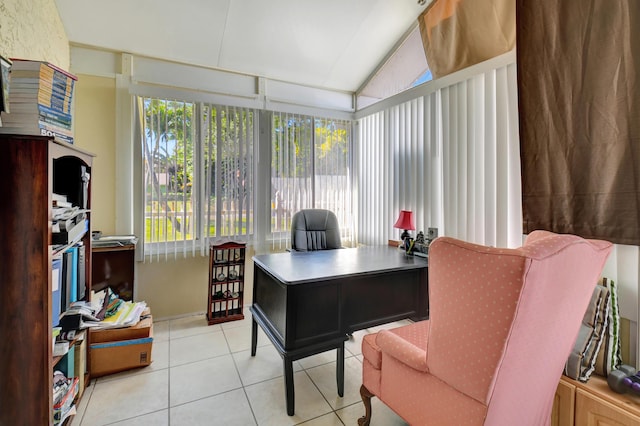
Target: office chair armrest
402 350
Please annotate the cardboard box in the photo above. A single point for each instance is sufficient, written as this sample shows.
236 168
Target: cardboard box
141 330
123 353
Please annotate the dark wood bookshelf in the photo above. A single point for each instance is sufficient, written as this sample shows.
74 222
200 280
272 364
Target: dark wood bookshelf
28 173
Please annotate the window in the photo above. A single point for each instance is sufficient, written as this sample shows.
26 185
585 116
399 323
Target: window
198 174
310 160
404 68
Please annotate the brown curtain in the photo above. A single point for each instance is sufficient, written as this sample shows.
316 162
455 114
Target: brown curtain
579 110
459 33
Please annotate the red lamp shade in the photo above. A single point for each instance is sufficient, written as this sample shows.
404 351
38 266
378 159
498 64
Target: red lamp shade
405 220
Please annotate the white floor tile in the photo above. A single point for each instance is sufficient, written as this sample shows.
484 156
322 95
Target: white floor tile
324 377
354 344
320 359
381 415
246 321
159 418
81 408
197 380
190 326
330 419
197 347
239 338
228 409
159 355
267 364
160 331
128 397
267 400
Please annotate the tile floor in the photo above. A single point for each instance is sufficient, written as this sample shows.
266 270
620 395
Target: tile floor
205 375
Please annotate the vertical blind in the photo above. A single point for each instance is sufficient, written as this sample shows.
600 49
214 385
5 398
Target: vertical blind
167 141
198 175
227 138
451 156
310 159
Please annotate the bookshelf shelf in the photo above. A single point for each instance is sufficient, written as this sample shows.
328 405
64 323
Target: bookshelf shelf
31 169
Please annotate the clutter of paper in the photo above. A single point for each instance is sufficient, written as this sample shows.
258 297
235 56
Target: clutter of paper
105 310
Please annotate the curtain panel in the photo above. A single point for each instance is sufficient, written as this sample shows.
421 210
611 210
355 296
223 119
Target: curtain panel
579 103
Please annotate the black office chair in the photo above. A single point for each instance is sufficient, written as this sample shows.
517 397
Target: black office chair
314 229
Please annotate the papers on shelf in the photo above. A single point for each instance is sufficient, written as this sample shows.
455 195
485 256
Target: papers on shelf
128 314
117 313
65 213
114 241
92 314
118 238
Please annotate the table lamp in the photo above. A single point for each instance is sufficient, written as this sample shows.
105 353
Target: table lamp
405 222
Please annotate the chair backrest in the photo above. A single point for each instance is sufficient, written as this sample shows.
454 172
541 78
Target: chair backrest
503 321
314 229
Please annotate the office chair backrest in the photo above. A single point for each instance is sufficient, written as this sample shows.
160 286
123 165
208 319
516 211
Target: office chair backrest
314 229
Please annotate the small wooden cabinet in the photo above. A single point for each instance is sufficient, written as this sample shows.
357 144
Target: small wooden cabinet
114 268
593 403
226 282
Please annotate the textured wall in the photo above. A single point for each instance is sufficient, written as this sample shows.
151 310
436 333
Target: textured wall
32 29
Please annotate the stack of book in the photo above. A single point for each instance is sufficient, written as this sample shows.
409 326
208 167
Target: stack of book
40 100
64 392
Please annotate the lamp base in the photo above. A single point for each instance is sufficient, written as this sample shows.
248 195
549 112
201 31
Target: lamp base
405 235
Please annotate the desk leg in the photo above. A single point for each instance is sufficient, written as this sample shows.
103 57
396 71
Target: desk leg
340 369
254 337
288 385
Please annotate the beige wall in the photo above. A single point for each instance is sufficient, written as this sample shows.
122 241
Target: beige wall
175 287
178 287
95 131
32 29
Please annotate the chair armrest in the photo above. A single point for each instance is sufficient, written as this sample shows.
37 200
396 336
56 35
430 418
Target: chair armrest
402 350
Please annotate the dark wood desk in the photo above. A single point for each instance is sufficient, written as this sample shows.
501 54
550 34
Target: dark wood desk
308 302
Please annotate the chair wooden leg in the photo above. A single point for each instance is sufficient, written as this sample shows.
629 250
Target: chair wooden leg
366 399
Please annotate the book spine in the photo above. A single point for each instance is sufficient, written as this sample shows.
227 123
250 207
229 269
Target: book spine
74 273
64 89
55 103
53 114
60 71
53 126
25 110
57 135
35 83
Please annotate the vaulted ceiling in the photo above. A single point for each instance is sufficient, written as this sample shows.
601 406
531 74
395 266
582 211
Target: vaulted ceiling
333 44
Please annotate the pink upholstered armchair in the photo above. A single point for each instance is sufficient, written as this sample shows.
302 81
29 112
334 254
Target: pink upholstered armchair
501 325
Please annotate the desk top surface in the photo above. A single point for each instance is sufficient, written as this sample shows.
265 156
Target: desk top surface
302 267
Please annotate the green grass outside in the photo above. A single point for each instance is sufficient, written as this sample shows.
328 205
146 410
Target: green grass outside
164 230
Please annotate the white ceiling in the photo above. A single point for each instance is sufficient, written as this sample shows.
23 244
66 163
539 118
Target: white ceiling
332 44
